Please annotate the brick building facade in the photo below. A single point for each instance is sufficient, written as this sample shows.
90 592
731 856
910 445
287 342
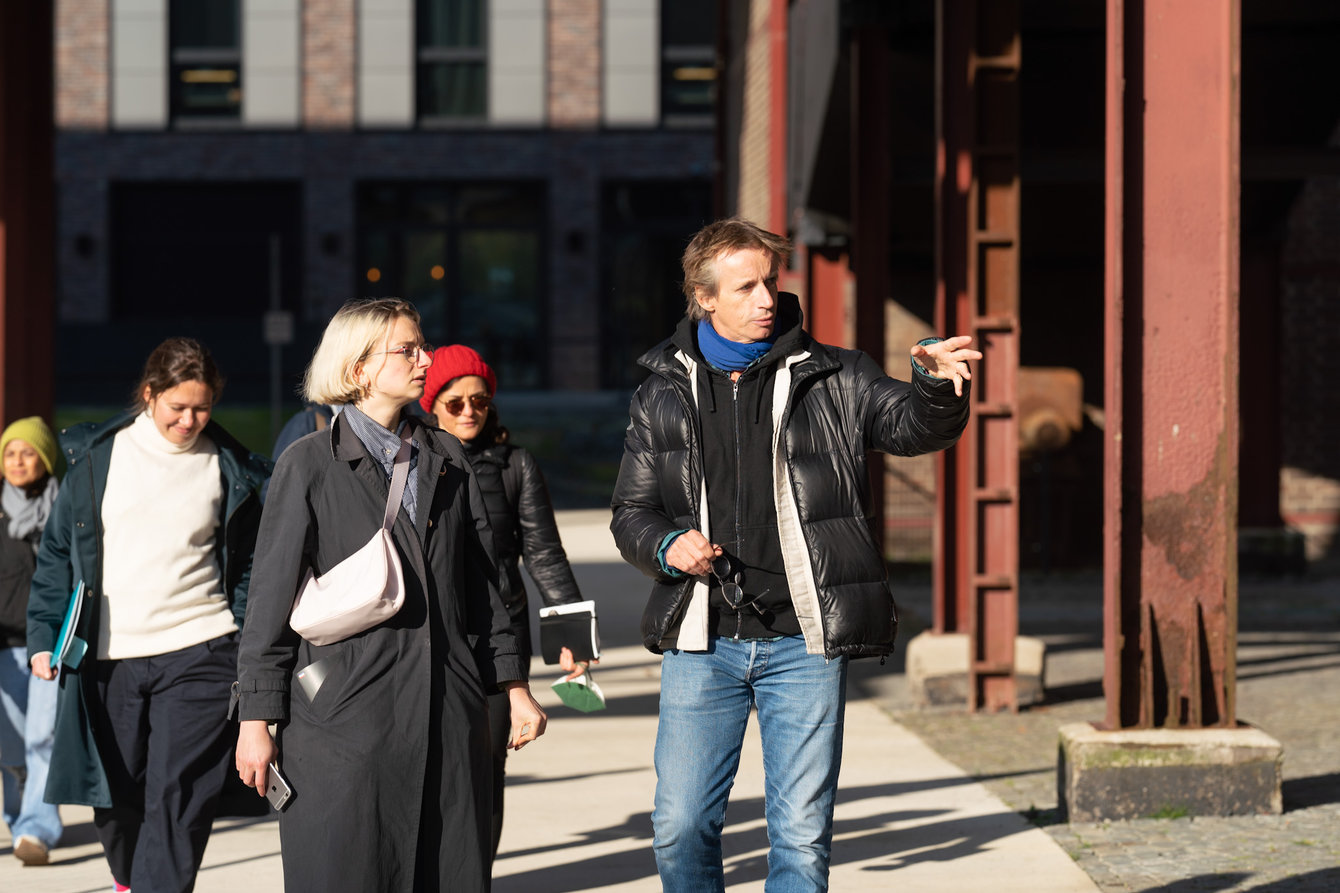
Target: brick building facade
535 128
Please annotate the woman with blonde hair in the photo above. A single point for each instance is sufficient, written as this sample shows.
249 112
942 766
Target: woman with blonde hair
383 735
157 518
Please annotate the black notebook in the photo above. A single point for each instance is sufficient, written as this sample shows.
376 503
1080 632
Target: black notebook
573 625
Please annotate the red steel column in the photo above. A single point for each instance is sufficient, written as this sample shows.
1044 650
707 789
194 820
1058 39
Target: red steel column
828 287
978 195
1170 553
27 194
870 146
954 541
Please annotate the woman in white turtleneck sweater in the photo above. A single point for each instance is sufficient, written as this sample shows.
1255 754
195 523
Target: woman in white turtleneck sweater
158 521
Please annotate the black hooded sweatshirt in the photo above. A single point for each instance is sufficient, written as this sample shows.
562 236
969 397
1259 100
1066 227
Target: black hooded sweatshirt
736 419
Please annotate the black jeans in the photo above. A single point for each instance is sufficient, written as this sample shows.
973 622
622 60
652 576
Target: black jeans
166 744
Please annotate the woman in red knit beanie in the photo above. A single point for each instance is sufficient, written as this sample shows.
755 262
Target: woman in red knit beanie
459 392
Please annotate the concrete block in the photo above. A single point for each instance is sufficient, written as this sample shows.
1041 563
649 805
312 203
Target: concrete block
1167 773
937 668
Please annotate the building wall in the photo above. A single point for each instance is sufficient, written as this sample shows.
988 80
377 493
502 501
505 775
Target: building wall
81 60
328 42
1310 360
548 122
574 29
755 136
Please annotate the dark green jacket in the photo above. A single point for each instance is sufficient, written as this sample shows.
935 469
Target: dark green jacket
73 539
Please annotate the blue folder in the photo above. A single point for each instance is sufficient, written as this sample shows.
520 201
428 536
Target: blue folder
69 647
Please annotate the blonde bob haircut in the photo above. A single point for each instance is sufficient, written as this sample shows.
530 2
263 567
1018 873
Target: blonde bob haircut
353 333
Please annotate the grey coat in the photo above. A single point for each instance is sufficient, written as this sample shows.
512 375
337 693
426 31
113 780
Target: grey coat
389 762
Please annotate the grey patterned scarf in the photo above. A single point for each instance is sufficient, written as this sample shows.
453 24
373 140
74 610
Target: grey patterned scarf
28 515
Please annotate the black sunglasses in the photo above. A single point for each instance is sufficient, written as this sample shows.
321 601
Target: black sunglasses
730 581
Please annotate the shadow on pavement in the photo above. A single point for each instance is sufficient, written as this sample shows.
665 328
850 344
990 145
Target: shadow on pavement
745 833
1322 880
1089 690
1205 883
519 780
1317 790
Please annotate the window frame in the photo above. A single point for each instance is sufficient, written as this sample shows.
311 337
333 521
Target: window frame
697 55
426 56
180 58
452 289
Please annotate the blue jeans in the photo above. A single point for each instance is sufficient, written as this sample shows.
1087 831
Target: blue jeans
705 702
27 729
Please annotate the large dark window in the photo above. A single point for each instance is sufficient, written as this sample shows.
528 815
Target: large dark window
205 61
470 258
452 75
202 249
194 259
645 227
688 62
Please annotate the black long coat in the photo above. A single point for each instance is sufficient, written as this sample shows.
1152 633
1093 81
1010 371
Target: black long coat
522 517
390 763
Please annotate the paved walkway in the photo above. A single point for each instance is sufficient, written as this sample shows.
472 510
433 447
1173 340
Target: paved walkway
579 800
578 815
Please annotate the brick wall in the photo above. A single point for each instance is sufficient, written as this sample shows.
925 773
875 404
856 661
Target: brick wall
574 63
328 64
755 137
81 64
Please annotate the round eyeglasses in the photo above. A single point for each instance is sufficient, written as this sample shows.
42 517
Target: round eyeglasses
411 353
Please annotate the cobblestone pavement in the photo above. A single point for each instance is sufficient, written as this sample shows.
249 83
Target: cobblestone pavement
1288 685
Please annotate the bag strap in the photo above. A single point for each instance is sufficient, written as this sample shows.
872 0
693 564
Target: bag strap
398 478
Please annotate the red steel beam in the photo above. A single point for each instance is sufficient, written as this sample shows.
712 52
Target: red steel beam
954 540
828 288
979 56
1170 553
870 150
27 195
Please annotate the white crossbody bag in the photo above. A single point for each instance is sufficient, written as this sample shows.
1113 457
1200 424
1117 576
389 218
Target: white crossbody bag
363 590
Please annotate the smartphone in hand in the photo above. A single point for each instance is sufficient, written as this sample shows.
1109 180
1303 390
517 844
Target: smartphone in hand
277 789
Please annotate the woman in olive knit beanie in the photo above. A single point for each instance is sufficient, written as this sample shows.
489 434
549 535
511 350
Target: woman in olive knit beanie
32 464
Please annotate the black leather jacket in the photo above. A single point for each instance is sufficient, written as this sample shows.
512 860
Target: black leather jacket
524 529
832 406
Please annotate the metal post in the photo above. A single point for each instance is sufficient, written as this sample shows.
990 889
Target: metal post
870 147
978 196
27 227
1170 482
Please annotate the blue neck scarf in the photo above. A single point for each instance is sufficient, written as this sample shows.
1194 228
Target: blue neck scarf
730 356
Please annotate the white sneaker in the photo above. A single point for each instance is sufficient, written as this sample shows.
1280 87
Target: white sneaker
31 851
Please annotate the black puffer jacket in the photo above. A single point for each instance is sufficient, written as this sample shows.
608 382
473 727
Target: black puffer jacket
831 406
522 518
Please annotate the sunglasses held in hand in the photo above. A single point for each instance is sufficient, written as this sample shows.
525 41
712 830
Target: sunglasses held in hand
730 582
